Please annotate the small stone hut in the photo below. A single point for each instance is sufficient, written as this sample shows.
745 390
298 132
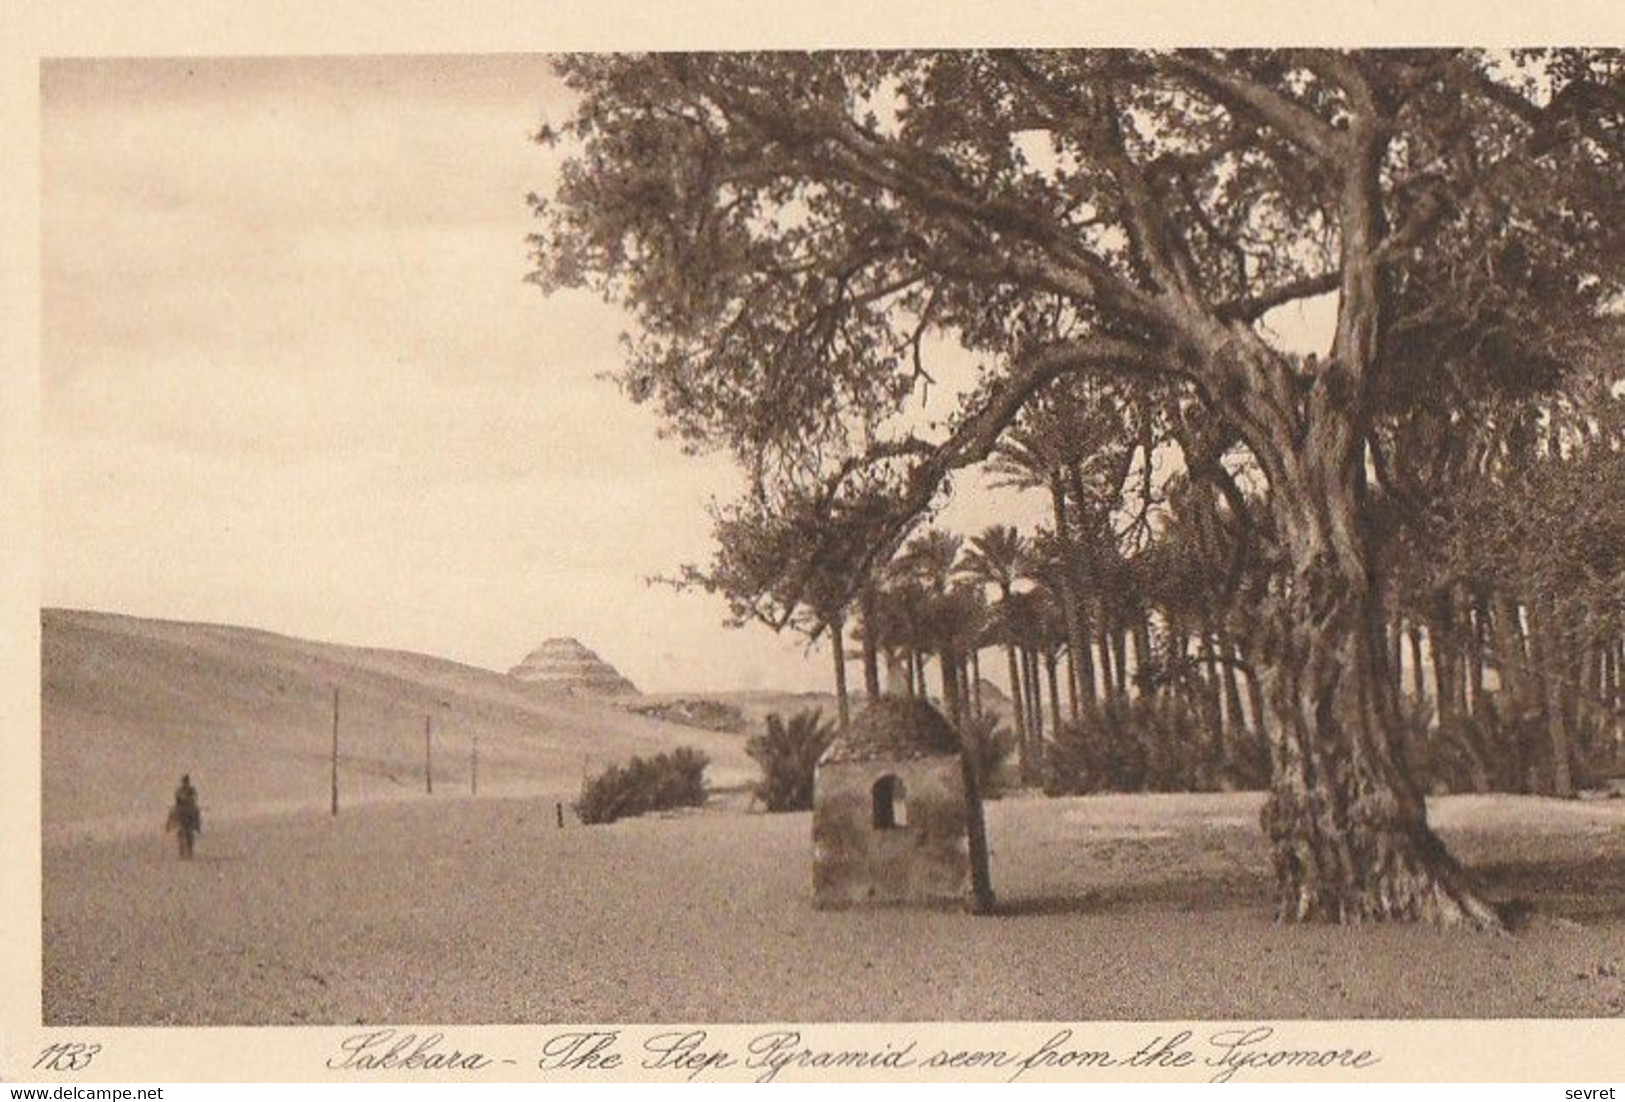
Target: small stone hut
896 813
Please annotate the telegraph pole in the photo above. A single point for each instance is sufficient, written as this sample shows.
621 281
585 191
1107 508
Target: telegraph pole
335 749
428 756
474 766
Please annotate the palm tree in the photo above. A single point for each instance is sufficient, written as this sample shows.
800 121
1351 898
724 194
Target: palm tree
929 560
995 559
1039 457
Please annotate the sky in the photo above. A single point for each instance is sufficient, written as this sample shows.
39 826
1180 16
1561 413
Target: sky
293 377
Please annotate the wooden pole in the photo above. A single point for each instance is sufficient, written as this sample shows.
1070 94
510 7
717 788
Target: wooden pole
474 766
428 756
335 749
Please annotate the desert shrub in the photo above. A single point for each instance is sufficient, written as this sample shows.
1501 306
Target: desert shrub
788 754
1500 748
1448 759
1148 744
994 745
1599 752
1101 752
667 780
1248 765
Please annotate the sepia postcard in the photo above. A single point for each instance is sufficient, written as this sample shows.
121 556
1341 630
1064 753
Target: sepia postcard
559 543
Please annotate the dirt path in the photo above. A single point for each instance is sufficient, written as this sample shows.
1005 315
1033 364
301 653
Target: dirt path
1130 907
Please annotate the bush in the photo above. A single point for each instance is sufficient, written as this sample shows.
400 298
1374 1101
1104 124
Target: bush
788 754
1149 744
667 780
1503 749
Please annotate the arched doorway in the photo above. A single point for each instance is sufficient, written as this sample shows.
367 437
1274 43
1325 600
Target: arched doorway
890 803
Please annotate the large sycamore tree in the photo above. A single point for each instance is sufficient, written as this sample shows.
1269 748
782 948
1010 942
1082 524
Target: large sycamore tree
793 233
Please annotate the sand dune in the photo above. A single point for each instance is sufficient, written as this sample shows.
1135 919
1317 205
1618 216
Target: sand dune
129 704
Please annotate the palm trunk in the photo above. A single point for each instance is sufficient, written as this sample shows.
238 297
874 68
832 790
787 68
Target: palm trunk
1255 703
838 653
1442 646
1074 704
1212 694
1078 638
1053 660
1035 693
1396 641
1419 684
1478 612
949 664
1519 696
1108 679
1546 655
871 650
1142 642
1018 706
1077 620
1232 690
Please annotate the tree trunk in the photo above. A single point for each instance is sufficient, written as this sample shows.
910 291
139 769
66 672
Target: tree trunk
1212 693
837 641
1347 824
1419 683
1395 627
1255 703
949 664
1617 701
1546 652
896 675
1052 660
1035 715
981 901
1608 691
1077 639
1510 657
1442 647
871 650
1232 689
1074 704
1108 680
1035 699
1142 643
1018 706
1477 612
976 680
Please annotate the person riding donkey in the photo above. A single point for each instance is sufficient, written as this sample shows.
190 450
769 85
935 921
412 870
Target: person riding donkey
185 816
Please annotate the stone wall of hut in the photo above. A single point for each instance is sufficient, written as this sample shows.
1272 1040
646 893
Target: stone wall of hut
925 860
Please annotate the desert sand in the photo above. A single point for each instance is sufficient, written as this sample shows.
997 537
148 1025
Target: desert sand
130 704
455 908
484 911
